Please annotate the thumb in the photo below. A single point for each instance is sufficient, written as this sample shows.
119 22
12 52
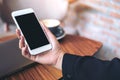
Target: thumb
49 34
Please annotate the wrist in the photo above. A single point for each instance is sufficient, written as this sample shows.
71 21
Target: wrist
58 64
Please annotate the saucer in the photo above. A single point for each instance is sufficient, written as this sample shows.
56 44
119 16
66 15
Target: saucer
59 33
62 36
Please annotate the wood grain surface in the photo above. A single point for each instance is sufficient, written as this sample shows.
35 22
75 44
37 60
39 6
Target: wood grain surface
71 44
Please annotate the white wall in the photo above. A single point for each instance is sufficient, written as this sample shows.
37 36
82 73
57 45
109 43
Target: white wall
43 8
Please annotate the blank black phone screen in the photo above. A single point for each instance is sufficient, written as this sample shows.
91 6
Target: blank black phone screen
32 30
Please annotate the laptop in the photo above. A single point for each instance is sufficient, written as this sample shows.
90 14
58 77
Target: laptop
11 59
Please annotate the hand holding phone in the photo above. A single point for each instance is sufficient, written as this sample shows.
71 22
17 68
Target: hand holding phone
31 29
52 57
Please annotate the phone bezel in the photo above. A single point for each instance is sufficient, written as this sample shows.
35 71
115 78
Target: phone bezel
36 50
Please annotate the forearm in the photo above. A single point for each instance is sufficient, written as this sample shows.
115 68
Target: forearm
90 68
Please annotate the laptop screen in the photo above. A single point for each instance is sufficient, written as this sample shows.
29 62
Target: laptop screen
11 58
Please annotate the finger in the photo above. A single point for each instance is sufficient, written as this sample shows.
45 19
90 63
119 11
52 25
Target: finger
25 52
18 33
21 42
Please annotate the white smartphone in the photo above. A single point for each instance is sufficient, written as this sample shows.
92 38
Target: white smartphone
31 29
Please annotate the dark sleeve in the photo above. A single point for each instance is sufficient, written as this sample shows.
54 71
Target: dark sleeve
89 68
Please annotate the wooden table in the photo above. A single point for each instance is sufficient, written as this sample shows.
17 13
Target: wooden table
71 44
8 38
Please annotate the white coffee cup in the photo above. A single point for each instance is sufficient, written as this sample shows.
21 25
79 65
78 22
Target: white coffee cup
54 27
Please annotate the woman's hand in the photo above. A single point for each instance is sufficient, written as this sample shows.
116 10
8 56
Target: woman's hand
51 57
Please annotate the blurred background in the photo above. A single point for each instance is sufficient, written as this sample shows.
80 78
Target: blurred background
95 19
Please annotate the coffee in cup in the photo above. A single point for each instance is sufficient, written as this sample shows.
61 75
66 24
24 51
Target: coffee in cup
54 27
